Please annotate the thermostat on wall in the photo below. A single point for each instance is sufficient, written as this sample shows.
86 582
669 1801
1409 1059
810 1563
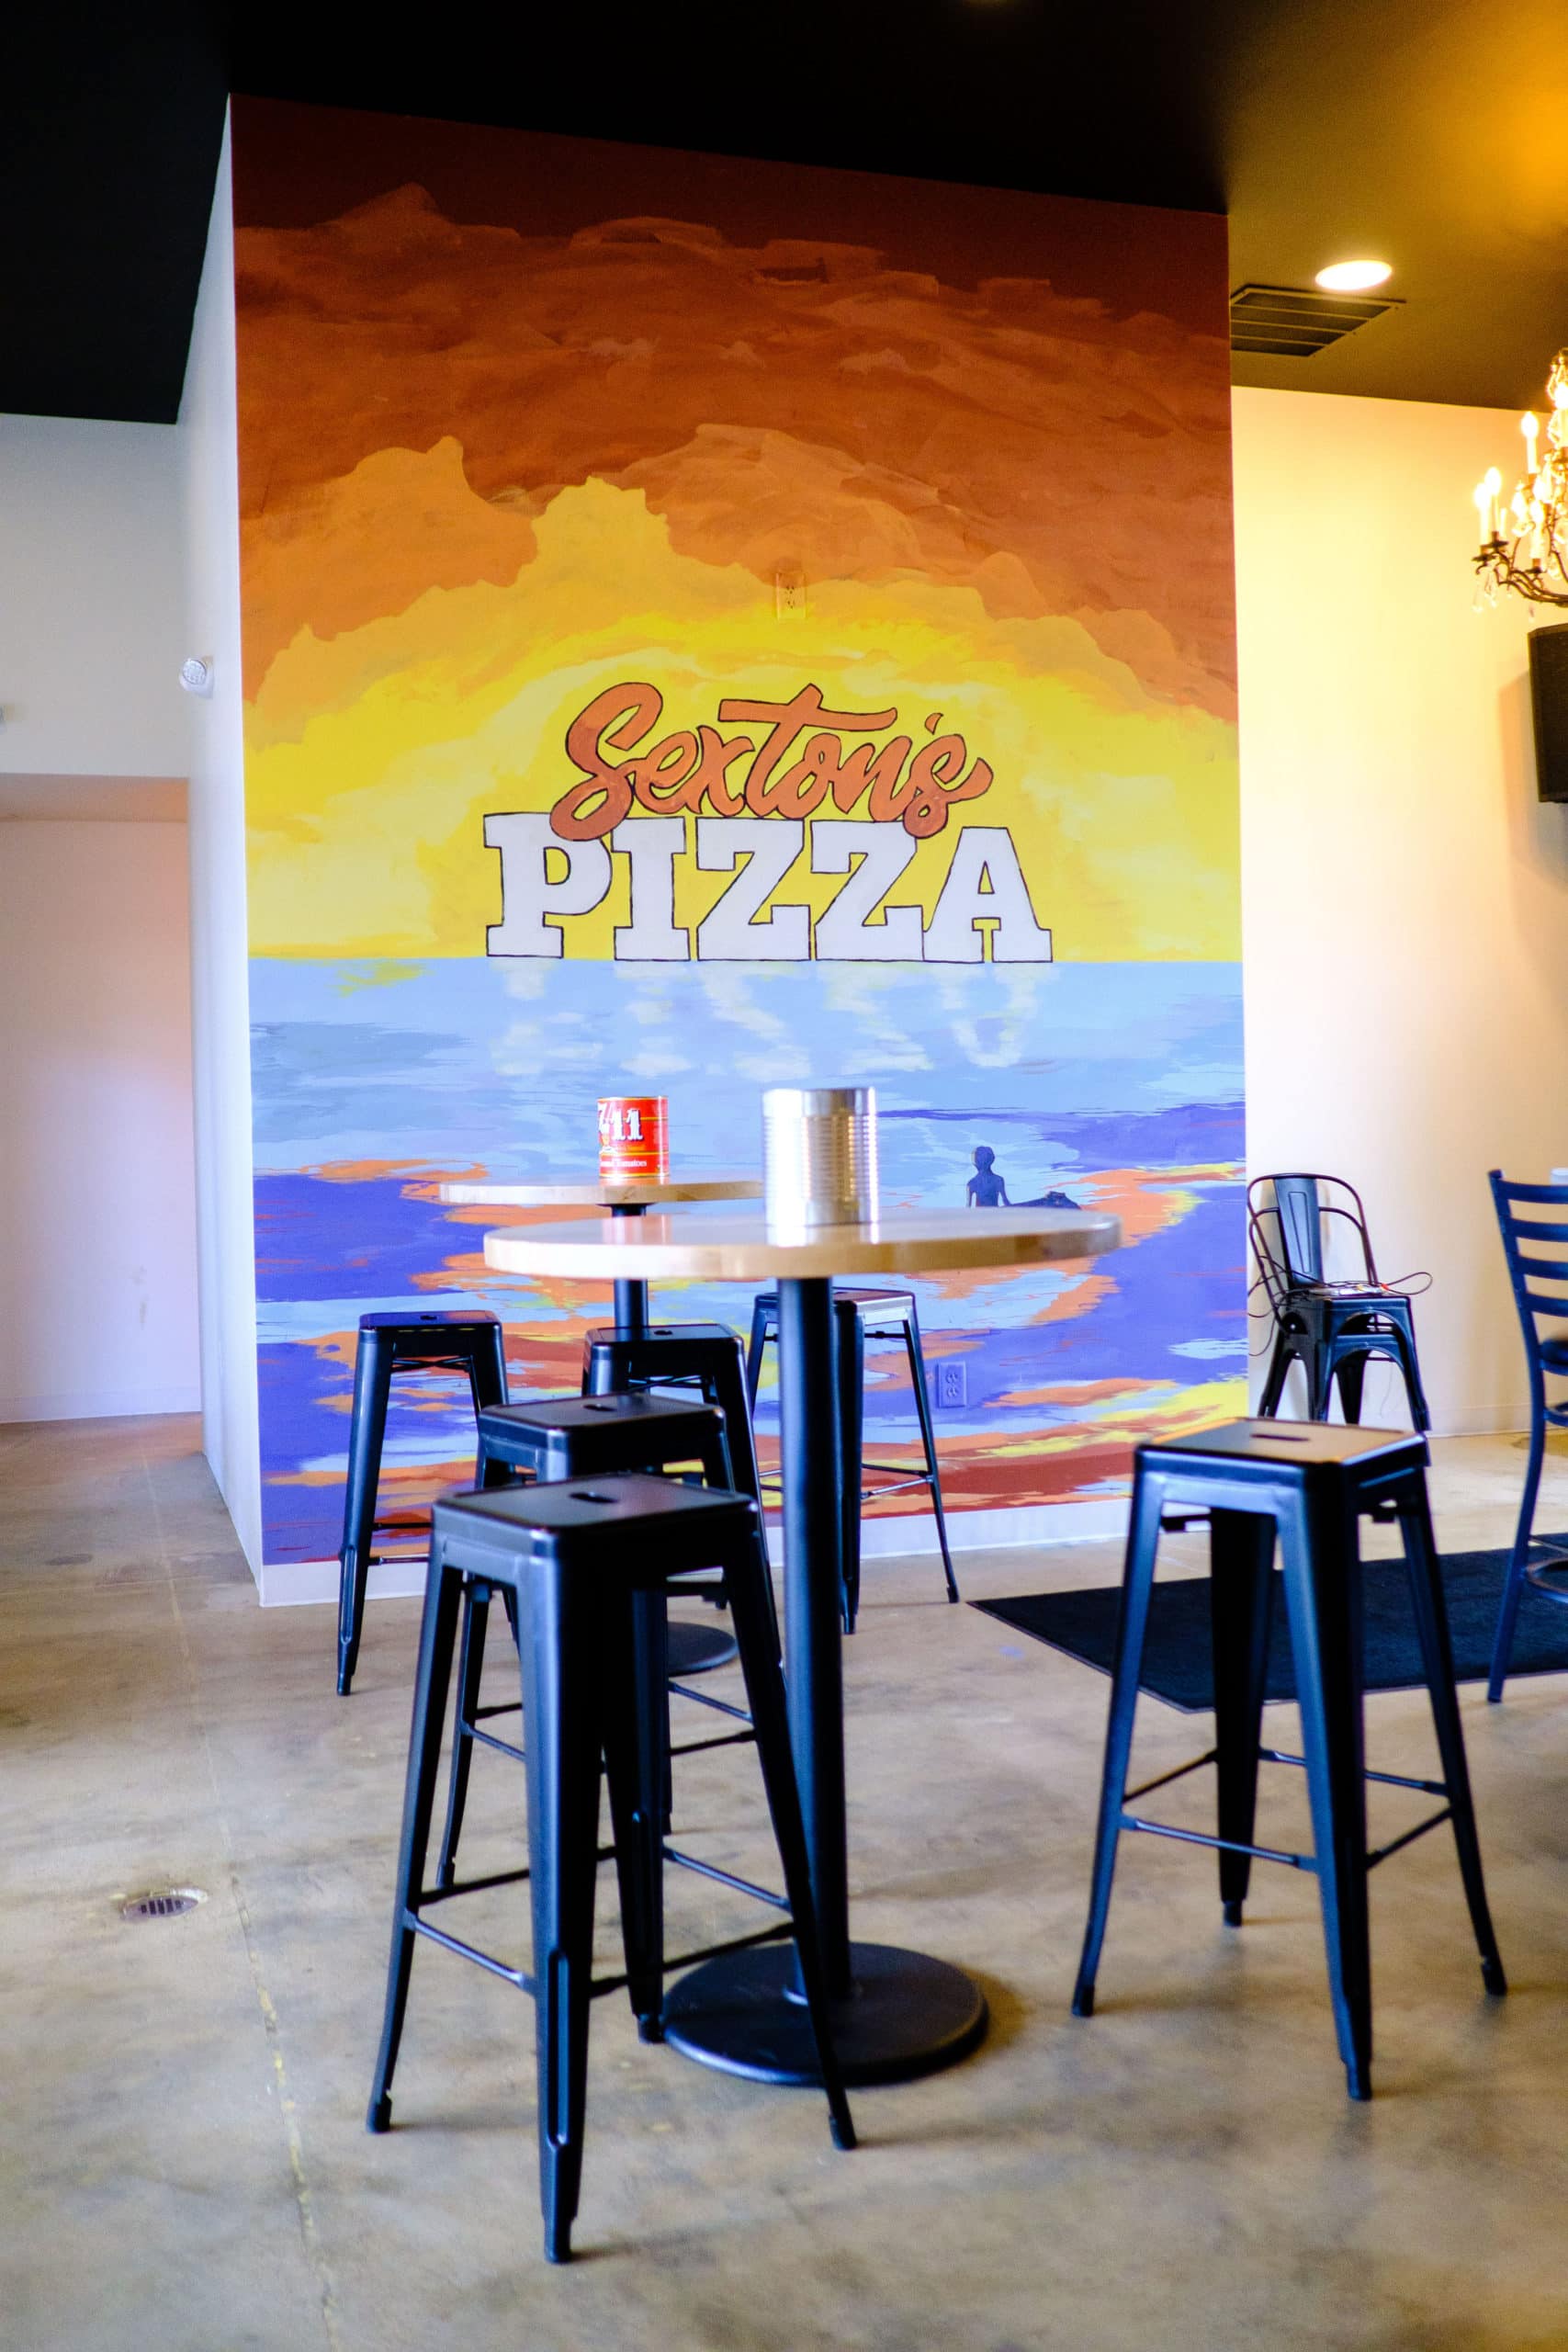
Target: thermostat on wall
196 675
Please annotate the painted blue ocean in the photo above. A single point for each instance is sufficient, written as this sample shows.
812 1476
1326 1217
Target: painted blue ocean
1119 1085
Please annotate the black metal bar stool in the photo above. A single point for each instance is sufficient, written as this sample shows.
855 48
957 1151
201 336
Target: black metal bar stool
862 1315
589 1565
1310 1485
632 1355
620 1358
577 1437
446 1339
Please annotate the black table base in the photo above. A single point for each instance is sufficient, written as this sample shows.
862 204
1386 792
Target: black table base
897 2014
697 1649
909 2015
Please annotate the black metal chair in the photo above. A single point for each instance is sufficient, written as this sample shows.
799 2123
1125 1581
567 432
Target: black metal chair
1330 1326
618 1360
446 1339
589 1565
1310 1485
580 1437
863 1314
1538 1282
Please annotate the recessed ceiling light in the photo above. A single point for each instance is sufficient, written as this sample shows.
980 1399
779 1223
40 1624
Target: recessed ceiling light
1354 277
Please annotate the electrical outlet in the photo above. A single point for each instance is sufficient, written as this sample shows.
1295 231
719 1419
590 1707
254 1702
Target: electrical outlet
952 1384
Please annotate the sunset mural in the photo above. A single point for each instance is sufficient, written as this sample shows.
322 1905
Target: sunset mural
619 545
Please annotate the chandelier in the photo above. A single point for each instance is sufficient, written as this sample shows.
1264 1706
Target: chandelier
1520 547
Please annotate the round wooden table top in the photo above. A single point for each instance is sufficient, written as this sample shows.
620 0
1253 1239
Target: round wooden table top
601 1193
747 1250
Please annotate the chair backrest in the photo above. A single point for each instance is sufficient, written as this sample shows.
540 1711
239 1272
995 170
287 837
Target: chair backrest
1541 1282
1299 1215
1291 1217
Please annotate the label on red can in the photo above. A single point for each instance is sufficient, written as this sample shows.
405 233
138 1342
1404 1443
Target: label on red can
632 1138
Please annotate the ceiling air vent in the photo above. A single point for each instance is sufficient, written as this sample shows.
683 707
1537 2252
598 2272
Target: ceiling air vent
1293 322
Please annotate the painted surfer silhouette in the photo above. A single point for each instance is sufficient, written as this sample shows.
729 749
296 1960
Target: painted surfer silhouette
987 1190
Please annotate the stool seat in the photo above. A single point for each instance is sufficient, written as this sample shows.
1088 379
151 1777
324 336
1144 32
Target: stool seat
1252 1452
587 1563
866 1302
570 1518
554 1431
413 1325
1305 1485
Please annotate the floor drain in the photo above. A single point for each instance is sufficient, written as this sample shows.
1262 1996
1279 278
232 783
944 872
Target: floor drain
162 1902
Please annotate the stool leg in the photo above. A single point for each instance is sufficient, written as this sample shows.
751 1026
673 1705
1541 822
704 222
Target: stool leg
927 1439
761 1330
487 1379
1131 1623
438 1627
1241 1595
636 1760
727 1390
560 1707
493 1469
1279 1372
1320 1550
850 1341
367 1431
750 1604
470 1668
1437 1652
487 1366
1397 1314
1351 1373
1514 1582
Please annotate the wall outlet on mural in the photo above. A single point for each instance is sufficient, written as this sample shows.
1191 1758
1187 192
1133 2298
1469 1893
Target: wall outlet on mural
789 592
951 1382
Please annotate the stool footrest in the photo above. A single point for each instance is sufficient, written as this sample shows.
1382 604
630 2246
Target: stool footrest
1434 1821
475 1885
725 1739
1221 1844
489 1740
719 1706
1390 1779
486 1961
1180 1771
693 1959
723 1878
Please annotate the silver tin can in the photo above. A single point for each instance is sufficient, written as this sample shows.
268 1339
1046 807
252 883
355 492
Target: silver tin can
819 1155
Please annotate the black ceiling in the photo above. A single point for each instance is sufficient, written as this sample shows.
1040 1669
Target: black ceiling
1430 132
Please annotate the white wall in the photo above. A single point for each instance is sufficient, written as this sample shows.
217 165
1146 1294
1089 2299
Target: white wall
89 599
207 438
97 1248
98 1290
1404 894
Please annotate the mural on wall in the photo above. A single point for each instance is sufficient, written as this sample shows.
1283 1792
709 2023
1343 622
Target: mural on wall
710 625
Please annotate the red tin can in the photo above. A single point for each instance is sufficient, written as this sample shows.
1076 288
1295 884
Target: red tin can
633 1137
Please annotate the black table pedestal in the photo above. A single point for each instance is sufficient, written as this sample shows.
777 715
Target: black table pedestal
908 2015
898 2014
697 1649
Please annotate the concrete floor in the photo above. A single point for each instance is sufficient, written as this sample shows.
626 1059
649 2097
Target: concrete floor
183 2160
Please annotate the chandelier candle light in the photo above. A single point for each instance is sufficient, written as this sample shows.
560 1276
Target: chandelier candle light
1520 547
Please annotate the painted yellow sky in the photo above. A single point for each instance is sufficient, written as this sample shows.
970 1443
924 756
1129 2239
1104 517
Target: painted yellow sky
373 758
